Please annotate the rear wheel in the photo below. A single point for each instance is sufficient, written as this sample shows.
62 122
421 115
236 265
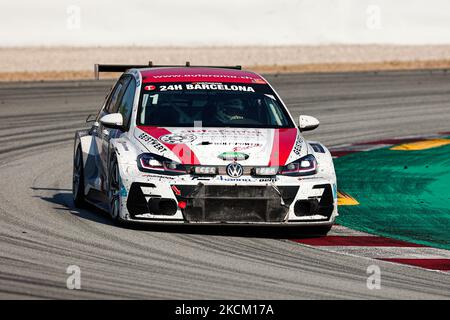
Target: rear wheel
78 180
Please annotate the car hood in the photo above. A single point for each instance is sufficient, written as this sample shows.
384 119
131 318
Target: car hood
220 146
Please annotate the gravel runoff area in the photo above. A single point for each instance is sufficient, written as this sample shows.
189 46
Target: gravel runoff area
66 63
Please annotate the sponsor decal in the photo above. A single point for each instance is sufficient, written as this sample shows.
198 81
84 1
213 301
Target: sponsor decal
150 87
298 146
201 178
227 133
177 138
171 87
245 145
234 170
182 151
228 179
245 179
152 142
219 86
155 177
233 156
268 179
237 146
206 86
306 178
200 75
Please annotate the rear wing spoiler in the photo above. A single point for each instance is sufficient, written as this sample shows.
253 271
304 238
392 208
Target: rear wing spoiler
124 67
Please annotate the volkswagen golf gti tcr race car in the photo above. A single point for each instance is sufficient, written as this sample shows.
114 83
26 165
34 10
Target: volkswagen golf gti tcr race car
202 145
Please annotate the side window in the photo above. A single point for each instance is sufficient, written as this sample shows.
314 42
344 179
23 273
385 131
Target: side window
126 103
113 97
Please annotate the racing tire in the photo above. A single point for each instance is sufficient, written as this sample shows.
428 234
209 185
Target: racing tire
78 180
114 198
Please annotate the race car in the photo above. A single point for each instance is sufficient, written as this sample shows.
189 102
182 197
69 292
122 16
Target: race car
202 145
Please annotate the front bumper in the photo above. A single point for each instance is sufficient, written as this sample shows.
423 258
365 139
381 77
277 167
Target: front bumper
225 203
288 201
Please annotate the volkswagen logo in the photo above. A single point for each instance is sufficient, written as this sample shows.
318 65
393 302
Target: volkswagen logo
235 170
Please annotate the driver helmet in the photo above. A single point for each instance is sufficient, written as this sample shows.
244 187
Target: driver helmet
229 110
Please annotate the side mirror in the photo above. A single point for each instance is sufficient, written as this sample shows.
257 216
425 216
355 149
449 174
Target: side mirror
307 123
112 121
90 118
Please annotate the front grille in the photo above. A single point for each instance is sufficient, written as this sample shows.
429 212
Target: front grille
235 203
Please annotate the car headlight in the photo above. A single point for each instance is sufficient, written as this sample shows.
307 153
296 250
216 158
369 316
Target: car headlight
150 162
301 167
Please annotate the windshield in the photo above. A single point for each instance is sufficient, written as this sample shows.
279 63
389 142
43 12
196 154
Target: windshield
214 104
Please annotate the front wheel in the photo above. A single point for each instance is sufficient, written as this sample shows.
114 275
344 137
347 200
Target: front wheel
115 201
78 180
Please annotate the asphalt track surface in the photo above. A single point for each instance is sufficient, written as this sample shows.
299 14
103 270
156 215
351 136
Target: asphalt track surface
41 233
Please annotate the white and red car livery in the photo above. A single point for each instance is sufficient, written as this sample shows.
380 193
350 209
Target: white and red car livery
202 145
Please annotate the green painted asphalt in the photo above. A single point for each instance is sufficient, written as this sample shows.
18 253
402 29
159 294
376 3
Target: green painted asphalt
402 194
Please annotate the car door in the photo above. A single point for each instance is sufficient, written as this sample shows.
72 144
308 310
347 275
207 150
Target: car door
102 134
124 106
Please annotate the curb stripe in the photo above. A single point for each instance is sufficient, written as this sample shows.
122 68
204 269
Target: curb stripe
393 252
360 241
433 264
422 145
344 199
340 153
393 141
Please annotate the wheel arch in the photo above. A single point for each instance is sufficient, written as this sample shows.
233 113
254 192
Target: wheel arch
86 142
324 159
125 153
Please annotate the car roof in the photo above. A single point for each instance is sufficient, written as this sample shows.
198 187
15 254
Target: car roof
199 74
